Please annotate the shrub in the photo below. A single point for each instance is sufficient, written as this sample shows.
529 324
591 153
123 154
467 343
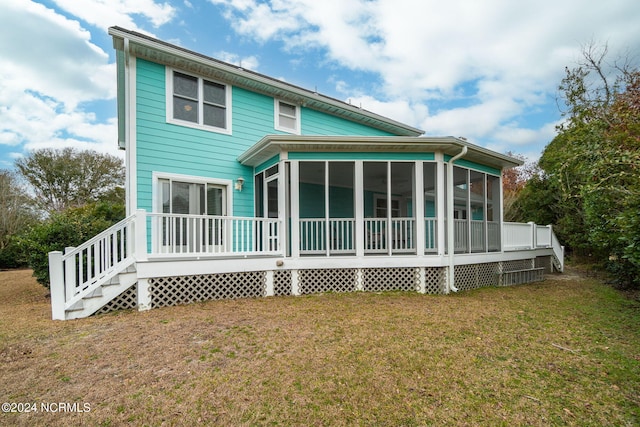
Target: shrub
11 256
68 228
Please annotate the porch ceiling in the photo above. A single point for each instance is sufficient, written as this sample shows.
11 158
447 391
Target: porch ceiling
272 145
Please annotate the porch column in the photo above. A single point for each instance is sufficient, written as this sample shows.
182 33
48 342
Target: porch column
282 206
534 235
141 235
422 280
144 296
269 280
295 209
295 283
440 204
419 208
56 279
359 208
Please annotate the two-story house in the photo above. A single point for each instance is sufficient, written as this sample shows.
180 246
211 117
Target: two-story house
242 185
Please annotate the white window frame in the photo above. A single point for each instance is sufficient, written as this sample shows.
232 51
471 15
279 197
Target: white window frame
227 184
169 103
277 114
377 197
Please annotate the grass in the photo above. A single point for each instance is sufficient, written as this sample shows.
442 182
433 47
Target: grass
562 352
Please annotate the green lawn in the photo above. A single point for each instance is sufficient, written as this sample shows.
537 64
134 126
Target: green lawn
565 351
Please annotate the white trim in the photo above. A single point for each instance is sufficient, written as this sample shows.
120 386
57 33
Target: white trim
169 104
440 204
418 206
282 205
358 190
295 208
327 229
131 162
501 214
157 176
276 117
163 267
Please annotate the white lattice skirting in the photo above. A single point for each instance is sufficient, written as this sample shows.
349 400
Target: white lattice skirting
168 291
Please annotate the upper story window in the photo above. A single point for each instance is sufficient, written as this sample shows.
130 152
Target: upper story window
197 102
287 117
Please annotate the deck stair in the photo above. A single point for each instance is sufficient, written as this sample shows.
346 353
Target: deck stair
86 278
102 295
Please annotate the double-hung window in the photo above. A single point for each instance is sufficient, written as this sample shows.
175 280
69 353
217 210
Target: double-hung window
197 102
287 117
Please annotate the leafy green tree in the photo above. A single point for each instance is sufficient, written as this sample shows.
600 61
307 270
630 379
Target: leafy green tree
63 229
590 181
66 178
612 195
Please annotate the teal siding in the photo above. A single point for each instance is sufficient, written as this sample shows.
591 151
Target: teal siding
169 148
429 209
317 123
312 205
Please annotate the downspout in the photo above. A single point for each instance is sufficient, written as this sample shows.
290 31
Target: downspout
450 225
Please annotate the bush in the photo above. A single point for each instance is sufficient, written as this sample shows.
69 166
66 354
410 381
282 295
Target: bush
11 256
69 228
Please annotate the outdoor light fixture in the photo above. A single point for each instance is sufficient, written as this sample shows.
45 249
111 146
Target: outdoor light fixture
239 183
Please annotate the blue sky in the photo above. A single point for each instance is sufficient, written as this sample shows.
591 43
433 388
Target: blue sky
485 70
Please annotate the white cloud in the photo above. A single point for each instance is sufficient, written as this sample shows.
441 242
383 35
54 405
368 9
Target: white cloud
51 55
105 13
51 71
247 62
498 59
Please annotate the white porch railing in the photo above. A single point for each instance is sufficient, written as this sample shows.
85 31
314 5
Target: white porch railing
401 235
316 232
477 236
81 270
178 234
375 235
544 235
431 235
527 236
493 235
461 235
519 235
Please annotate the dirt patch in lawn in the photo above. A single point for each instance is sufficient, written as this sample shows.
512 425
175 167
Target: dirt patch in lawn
556 352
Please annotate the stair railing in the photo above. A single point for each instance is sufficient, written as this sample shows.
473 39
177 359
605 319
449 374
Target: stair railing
81 270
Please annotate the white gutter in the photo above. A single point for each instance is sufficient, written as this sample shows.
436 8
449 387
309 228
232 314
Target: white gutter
450 225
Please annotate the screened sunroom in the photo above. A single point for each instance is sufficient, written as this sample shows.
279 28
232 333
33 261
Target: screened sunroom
345 196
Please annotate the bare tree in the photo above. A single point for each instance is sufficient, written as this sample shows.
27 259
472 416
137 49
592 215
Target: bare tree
68 177
16 211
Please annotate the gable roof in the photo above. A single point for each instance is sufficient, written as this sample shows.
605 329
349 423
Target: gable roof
146 47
